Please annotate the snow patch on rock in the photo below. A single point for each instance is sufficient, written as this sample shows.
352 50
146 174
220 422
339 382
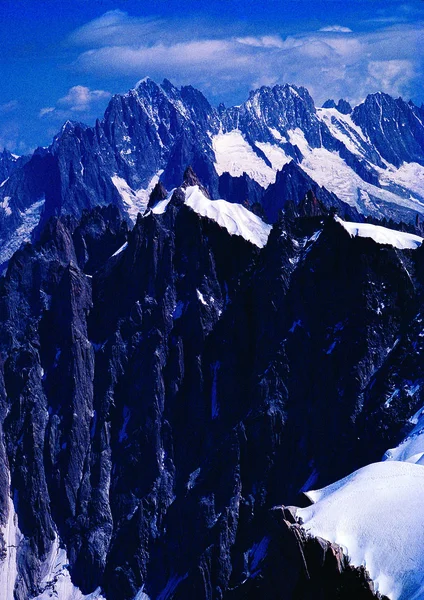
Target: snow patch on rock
56 581
8 565
411 449
236 219
234 155
30 219
382 235
135 201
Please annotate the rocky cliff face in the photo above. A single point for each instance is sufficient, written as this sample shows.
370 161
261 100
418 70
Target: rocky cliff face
163 388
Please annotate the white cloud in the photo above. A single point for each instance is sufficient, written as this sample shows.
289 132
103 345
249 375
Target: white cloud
336 28
79 103
391 75
80 98
334 61
9 106
47 110
265 41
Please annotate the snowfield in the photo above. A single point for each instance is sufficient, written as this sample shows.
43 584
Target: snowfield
401 186
376 515
234 155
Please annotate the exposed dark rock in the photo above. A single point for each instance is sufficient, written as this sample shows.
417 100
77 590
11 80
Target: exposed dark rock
151 412
292 185
158 193
287 564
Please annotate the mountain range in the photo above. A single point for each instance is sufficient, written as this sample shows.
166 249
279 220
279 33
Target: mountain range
270 150
211 375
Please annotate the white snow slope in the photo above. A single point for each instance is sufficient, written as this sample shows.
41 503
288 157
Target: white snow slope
236 219
8 566
135 201
56 581
234 155
411 449
376 515
382 235
401 186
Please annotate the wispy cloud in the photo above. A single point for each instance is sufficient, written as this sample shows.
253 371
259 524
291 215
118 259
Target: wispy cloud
9 106
332 61
46 111
336 28
113 27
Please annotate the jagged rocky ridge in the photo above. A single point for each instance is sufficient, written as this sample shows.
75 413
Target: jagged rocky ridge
162 389
371 157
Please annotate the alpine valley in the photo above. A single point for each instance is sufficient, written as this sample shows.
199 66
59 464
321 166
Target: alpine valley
211 352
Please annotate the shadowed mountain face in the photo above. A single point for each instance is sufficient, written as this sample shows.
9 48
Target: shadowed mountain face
368 160
162 389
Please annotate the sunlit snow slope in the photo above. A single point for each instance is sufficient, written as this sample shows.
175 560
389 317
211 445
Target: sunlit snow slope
382 235
236 219
376 515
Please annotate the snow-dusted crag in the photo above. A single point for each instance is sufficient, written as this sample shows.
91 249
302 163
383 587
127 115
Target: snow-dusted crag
368 160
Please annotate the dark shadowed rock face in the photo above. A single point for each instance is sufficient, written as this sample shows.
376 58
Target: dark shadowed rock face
162 389
291 186
287 564
381 116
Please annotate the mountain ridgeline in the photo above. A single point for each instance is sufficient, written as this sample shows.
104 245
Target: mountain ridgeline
371 158
177 370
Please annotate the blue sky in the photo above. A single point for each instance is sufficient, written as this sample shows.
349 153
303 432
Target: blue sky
61 59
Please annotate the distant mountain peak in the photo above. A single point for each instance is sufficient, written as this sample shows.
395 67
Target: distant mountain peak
342 106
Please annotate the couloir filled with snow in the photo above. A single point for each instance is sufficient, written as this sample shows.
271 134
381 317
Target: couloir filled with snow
382 235
135 201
